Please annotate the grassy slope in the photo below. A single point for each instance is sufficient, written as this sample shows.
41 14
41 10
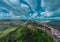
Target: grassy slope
23 34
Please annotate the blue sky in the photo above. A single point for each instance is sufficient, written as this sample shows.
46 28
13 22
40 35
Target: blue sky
30 9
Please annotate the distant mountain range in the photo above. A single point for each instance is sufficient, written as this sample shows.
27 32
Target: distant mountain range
54 24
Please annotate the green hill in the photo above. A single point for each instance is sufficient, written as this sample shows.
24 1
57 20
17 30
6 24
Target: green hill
24 34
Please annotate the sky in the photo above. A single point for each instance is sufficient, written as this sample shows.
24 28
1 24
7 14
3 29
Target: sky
30 9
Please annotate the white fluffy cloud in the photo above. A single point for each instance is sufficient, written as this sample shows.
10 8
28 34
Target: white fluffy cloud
23 5
19 9
13 3
51 5
11 15
46 14
34 15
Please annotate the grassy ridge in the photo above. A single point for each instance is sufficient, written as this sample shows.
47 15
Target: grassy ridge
24 34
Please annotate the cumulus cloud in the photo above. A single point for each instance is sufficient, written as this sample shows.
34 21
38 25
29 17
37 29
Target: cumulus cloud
46 14
23 5
12 2
18 10
53 8
10 15
34 15
56 13
51 5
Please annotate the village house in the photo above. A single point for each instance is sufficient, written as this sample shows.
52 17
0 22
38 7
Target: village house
55 33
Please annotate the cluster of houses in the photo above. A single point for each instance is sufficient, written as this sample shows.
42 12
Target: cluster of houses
55 33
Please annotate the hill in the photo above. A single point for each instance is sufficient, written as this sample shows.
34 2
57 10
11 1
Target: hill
24 33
